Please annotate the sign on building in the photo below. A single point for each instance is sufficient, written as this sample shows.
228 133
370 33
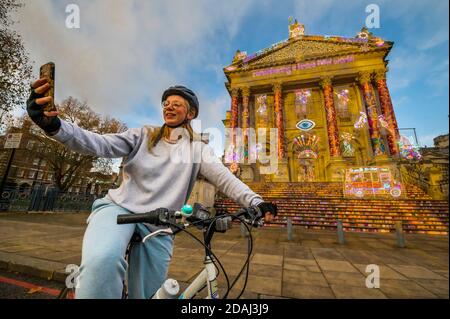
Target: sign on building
13 140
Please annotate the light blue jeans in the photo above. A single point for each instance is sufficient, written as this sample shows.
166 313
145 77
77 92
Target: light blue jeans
103 266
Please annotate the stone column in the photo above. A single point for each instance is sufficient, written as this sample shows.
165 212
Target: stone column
387 110
372 115
234 114
282 174
332 127
234 107
277 90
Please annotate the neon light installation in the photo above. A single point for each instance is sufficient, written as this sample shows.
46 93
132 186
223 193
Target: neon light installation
347 148
408 150
305 125
362 121
371 182
306 146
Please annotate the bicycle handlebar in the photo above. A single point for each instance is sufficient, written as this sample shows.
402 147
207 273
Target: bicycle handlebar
150 217
163 216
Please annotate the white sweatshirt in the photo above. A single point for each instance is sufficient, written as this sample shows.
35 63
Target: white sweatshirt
163 178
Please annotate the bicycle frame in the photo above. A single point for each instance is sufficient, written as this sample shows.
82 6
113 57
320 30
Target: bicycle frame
208 276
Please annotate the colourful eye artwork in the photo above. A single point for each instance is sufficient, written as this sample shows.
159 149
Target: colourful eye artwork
305 125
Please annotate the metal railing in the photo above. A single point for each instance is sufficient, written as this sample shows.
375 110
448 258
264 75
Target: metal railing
42 198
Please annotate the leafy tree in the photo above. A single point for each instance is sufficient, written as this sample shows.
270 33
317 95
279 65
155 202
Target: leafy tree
15 68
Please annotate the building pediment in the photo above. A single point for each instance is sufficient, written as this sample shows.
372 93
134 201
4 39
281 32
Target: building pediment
306 48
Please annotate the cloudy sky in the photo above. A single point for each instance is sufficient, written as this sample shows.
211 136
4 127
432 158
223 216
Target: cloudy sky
126 52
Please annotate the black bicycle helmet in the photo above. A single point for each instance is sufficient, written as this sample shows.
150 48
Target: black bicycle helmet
183 91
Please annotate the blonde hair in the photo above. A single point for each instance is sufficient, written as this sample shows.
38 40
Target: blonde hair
157 133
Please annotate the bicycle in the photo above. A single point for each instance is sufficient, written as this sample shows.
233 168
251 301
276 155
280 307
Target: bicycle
177 221
199 217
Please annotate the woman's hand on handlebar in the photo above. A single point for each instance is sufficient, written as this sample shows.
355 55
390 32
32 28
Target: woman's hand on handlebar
269 210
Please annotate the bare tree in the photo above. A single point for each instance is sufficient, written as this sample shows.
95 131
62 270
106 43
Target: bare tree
15 67
68 166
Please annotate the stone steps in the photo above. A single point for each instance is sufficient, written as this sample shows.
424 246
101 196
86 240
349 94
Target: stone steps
418 212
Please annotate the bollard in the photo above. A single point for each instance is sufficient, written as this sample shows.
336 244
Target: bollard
289 228
400 234
244 231
340 231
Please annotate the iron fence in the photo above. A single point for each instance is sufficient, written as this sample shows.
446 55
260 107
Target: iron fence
44 198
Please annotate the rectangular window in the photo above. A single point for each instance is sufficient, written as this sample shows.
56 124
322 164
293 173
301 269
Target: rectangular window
36 161
31 174
302 103
49 176
342 100
40 174
30 145
20 172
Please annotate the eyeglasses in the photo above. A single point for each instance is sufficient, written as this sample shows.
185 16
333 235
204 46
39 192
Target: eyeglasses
175 105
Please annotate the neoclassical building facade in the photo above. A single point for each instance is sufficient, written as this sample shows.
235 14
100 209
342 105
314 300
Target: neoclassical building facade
327 97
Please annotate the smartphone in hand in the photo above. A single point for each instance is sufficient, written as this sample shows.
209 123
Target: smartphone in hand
48 71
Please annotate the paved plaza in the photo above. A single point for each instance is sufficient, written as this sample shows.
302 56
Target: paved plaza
312 265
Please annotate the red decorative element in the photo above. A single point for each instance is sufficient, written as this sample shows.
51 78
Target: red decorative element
388 111
234 114
279 121
372 117
234 108
332 128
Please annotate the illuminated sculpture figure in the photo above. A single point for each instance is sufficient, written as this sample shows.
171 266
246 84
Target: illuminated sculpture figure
343 97
261 104
239 56
362 120
295 29
383 122
385 125
364 34
347 148
302 96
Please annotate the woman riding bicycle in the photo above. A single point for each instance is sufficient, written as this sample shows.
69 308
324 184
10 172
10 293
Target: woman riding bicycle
152 178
